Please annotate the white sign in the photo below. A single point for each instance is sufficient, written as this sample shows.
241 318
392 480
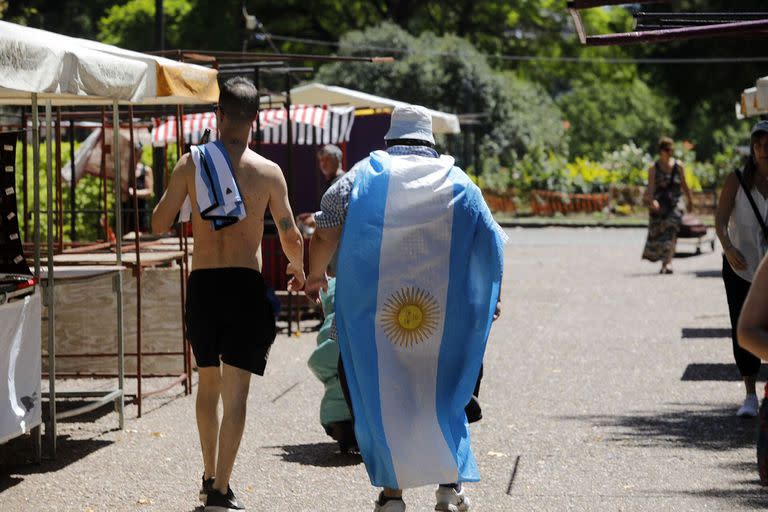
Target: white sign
20 407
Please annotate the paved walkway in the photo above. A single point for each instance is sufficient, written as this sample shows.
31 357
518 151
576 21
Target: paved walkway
607 387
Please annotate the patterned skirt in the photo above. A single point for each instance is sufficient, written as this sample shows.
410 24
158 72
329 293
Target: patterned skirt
662 234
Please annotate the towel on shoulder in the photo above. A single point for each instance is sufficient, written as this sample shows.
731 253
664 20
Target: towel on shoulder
418 277
218 195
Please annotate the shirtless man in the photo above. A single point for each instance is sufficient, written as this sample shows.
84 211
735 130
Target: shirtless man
228 315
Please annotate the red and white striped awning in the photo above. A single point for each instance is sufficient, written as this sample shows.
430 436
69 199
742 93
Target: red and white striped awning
194 125
312 124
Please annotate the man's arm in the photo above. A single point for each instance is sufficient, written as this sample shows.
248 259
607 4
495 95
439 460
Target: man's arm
753 322
321 249
170 204
290 237
648 198
722 216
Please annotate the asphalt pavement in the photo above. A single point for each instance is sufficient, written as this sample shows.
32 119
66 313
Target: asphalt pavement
607 387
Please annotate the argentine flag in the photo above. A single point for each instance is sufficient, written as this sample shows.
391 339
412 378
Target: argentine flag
418 277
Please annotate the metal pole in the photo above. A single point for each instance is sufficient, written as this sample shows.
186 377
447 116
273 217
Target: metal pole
160 24
49 289
103 173
36 181
137 268
59 198
119 257
72 203
257 82
181 229
289 145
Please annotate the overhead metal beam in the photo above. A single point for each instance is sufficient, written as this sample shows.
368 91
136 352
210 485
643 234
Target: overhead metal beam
674 34
658 20
588 4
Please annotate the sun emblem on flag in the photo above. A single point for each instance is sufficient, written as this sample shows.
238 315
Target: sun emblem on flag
410 316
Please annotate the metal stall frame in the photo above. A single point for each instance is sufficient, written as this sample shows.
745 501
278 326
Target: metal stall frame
100 398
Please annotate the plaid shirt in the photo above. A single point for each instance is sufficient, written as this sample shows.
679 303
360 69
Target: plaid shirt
335 202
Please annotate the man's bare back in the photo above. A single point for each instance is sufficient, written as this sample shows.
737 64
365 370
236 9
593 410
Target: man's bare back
261 185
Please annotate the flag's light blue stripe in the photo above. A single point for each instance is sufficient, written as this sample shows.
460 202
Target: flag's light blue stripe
463 344
356 296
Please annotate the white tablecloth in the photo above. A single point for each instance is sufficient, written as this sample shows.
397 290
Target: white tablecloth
20 407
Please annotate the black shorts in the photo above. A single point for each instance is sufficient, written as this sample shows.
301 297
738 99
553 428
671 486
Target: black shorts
229 318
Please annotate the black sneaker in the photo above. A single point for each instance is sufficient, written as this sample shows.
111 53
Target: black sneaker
205 488
217 502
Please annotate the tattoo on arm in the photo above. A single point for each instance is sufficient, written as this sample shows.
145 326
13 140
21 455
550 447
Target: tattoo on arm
285 223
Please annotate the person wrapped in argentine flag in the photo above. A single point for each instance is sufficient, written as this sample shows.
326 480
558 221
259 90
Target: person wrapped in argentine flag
419 273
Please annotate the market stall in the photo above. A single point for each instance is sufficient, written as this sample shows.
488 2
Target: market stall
37 66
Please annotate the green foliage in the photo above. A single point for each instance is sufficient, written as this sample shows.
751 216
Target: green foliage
448 73
534 119
603 115
587 176
131 25
629 163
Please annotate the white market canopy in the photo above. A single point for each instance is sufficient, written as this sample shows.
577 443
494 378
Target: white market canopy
71 71
319 94
58 69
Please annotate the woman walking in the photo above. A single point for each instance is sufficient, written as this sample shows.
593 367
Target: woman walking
666 183
740 225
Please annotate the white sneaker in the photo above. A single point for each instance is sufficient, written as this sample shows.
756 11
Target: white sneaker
749 407
393 505
451 500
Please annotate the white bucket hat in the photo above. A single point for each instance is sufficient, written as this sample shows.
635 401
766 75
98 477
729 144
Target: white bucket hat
410 122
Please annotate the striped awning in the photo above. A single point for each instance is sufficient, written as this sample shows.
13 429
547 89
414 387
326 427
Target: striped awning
312 124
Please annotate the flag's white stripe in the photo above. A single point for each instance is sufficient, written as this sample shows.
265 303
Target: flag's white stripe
202 192
417 196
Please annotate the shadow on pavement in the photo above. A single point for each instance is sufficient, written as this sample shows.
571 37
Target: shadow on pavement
683 255
749 493
322 455
717 372
714 428
746 497
63 405
16 457
707 273
706 332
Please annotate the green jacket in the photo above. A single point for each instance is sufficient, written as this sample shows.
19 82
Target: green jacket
324 363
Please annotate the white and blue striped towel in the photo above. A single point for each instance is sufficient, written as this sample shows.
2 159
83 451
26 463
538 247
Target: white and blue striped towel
218 196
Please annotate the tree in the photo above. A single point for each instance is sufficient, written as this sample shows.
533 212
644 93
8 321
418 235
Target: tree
448 73
76 18
132 25
605 115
